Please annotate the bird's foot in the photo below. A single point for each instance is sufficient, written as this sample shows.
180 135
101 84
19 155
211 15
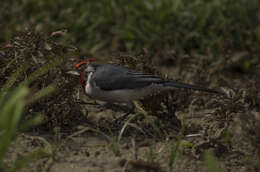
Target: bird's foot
130 108
100 107
122 118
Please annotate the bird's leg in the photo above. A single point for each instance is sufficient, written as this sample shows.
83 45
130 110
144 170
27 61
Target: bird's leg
109 105
101 107
131 108
117 107
106 106
87 103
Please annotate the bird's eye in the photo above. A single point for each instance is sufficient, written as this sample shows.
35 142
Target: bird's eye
88 71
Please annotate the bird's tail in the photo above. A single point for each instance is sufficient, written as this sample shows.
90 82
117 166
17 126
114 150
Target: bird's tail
188 86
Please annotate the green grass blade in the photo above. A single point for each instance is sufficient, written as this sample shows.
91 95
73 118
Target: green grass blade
41 93
43 70
10 115
26 160
10 82
155 127
126 124
211 162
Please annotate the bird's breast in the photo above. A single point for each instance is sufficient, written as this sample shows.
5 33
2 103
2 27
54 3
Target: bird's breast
89 86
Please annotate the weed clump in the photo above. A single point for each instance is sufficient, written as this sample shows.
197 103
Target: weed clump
41 62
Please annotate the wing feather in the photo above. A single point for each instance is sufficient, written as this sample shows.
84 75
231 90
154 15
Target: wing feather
111 77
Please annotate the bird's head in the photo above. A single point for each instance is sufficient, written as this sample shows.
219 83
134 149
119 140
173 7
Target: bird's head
90 68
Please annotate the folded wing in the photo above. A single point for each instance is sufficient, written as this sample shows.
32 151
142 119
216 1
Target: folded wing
111 77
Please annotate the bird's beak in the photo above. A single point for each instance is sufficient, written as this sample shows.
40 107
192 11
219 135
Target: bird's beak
85 61
74 73
78 72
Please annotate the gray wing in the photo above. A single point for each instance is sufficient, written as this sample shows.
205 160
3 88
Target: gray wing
112 77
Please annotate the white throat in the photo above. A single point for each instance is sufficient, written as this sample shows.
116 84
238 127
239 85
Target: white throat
88 88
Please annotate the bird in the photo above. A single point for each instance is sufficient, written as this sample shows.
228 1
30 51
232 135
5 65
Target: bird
117 84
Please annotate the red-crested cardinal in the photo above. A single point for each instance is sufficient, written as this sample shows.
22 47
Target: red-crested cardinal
112 83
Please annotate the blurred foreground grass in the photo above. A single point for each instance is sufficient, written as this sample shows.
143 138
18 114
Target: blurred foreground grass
11 109
13 102
210 27
26 60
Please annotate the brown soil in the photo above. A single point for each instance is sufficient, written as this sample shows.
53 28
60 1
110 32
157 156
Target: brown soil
81 135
